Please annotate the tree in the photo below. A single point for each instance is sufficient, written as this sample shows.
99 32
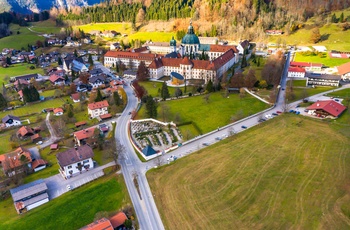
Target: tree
90 61
98 96
30 94
3 102
315 35
75 53
142 73
117 99
57 93
209 88
206 98
165 91
70 112
244 61
250 79
72 88
84 78
305 95
341 18
165 111
151 107
178 92
140 91
241 93
262 84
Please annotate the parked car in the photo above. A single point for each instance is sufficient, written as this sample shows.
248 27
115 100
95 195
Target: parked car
205 144
297 106
68 187
282 88
291 111
39 142
279 111
244 127
274 114
336 99
261 120
306 110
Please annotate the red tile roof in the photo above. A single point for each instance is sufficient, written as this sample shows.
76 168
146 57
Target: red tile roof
58 110
186 61
20 93
101 224
132 55
222 48
54 146
75 96
13 159
223 59
25 130
21 81
98 105
344 68
80 123
118 219
305 64
53 78
329 106
105 116
35 136
296 69
141 49
85 133
38 162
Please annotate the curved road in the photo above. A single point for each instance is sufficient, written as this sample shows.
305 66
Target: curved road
145 208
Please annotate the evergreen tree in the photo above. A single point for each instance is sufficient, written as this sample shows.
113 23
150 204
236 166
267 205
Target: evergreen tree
178 92
151 107
244 61
70 112
341 18
98 96
75 53
60 61
90 61
3 102
209 87
142 73
117 99
165 91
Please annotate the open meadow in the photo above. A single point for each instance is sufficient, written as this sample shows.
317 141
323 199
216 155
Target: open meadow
326 61
17 70
210 115
17 41
154 88
72 210
291 172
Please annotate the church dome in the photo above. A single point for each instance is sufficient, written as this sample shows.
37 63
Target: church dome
190 38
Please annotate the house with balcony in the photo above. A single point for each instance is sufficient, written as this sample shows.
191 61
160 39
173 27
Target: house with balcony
75 161
323 80
98 108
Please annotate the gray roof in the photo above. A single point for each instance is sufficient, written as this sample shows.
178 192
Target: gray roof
8 117
29 189
324 76
27 76
98 78
74 155
35 199
130 72
95 71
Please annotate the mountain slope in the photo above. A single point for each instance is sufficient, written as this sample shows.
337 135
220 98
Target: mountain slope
29 6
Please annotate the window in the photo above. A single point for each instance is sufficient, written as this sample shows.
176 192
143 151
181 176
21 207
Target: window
69 167
85 161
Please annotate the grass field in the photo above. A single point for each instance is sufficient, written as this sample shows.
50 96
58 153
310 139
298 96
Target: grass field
335 39
36 108
154 36
45 27
289 173
17 41
153 87
299 83
311 91
17 70
119 27
72 210
209 116
327 61
4 140
341 93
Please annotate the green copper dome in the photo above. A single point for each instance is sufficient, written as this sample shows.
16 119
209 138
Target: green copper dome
173 42
190 38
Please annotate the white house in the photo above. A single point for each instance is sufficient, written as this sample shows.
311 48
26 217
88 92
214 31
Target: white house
243 46
9 121
344 71
98 108
114 46
56 80
75 160
29 196
296 72
58 112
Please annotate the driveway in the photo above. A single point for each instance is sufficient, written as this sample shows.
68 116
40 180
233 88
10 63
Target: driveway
57 185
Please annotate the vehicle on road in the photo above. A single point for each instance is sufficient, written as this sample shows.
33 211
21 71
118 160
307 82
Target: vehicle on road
69 188
244 127
297 106
39 142
268 116
274 114
218 138
282 88
279 112
129 113
172 158
291 111
205 144
306 110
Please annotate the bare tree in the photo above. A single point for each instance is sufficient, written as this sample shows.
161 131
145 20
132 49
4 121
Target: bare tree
159 161
206 98
165 111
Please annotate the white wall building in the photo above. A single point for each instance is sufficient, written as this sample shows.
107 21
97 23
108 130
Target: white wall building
75 160
97 108
296 72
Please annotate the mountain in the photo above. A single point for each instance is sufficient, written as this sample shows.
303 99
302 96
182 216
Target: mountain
35 6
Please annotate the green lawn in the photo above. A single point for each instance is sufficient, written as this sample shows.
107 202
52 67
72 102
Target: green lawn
298 83
311 91
335 38
72 210
48 93
45 27
341 93
152 88
326 61
17 70
37 107
18 41
291 172
188 131
154 36
117 26
4 140
209 116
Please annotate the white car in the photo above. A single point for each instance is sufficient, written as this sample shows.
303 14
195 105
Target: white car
39 142
69 187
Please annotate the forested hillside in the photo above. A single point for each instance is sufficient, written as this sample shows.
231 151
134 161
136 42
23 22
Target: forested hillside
230 16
